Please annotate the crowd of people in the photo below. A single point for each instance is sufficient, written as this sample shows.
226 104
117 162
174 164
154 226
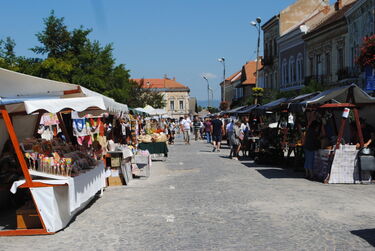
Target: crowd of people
213 130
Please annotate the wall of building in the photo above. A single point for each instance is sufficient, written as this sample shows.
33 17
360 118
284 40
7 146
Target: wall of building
177 97
295 13
271 52
327 55
291 61
361 23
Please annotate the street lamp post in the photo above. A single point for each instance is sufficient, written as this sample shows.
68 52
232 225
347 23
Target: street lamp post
222 60
208 92
256 24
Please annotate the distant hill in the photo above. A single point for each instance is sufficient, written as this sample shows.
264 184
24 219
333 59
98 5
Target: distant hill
214 103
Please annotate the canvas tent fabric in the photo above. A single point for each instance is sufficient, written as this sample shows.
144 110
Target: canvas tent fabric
234 110
270 106
14 84
152 111
110 104
248 109
340 95
56 105
17 87
58 205
51 104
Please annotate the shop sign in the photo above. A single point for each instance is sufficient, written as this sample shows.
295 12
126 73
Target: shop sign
345 114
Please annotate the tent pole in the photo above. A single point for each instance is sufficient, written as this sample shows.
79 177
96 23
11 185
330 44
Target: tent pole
359 128
341 133
16 145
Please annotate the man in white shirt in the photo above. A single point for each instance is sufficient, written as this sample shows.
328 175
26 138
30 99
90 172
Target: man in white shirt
185 126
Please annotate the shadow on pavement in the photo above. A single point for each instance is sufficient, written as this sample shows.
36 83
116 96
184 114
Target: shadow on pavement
274 173
366 234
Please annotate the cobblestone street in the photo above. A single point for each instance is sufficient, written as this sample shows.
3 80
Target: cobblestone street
200 200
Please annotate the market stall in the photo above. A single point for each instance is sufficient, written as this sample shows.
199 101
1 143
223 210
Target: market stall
46 182
333 108
61 178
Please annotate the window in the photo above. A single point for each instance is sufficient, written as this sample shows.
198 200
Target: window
340 58
171 105
328 63
275 47
276 80
239 93
271 51
284 73
311 62
299 67
181 105
318 67
292 70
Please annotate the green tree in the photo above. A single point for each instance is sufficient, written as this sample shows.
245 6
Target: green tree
7 54
54 38
70 56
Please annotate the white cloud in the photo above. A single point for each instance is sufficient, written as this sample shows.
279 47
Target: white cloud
208 75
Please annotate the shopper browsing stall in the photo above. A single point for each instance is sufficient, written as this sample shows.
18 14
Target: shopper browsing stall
196 127
312 144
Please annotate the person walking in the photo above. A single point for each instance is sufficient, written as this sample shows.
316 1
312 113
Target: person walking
217 130
236 139
196 127
207 129
185 126
229 132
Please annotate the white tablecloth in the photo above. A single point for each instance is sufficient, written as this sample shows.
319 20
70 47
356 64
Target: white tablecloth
58 205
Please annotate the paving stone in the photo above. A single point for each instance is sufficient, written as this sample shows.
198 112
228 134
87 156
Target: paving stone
199 200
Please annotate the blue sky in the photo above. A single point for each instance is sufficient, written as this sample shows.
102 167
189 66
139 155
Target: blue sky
180 38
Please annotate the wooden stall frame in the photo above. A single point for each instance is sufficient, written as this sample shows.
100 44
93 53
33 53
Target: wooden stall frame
29 183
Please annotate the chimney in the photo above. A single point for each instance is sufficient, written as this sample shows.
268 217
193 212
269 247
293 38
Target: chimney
338 5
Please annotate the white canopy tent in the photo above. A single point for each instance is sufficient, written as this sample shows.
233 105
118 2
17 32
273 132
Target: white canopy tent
154 112
23 95
14 84
111 105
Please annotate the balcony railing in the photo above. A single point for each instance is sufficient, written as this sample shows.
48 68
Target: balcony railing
348 72
321 79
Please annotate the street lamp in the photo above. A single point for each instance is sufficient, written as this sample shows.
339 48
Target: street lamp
256 24
222 60
208 91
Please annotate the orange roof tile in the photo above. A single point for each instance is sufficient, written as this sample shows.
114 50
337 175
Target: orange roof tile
249 72
160 83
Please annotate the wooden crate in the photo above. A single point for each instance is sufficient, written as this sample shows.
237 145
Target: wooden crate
27 218
116 181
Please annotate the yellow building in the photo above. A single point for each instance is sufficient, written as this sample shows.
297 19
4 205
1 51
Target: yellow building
176 95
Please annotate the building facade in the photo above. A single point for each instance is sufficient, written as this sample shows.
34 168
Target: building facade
176 95
361 23
328 60
270 61
283 38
